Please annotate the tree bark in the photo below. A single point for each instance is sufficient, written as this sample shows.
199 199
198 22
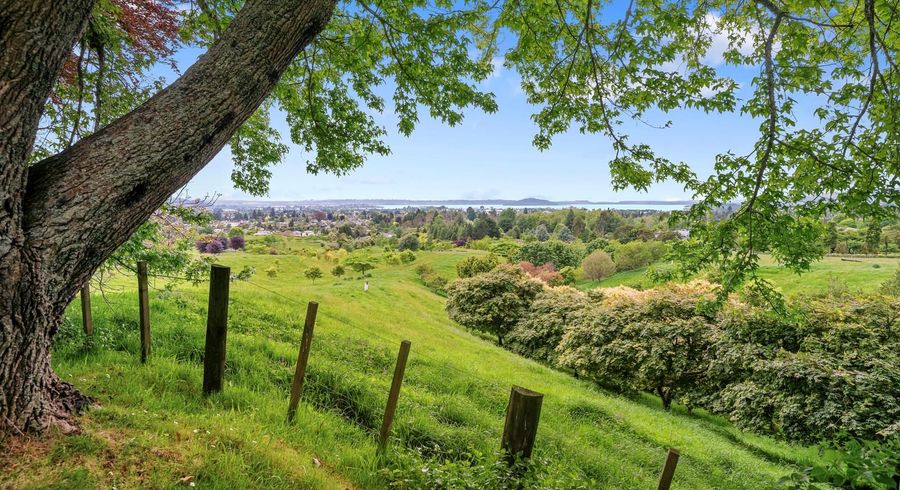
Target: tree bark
62 217
35 39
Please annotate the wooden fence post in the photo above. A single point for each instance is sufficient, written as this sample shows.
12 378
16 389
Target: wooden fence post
394 394
522 415
86 318
668 472
302 359
216 329
144 309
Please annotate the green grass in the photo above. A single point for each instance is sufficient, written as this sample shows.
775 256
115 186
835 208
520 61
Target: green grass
857 274
153 427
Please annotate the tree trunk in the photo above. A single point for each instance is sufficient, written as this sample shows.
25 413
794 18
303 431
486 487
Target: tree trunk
34 398
61 218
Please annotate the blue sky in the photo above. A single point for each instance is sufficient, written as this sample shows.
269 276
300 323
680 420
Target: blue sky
490 156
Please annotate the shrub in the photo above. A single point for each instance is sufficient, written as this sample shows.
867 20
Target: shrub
856 465
545 273
539 331
598 244
431 279
507 249
471 266
655 341
272 271
338 271
407 256
891 287
567 275
409 241
237 242
637 254
835 368
214 247
246 273
313 273
598 265
235 231
540 233
553 251
492 302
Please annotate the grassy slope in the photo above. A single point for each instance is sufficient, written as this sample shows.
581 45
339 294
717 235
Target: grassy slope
865 275
153 426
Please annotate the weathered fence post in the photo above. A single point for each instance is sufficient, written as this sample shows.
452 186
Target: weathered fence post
86 318
216 329
302 358
522 415
144 310
394 394
668 472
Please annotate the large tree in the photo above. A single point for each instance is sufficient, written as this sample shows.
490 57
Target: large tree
825 96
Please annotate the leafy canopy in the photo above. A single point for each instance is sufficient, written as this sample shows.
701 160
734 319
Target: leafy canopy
824 94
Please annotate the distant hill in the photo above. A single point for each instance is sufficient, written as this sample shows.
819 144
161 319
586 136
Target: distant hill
527 202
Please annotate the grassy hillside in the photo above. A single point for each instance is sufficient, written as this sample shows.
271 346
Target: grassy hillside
153 429
858 274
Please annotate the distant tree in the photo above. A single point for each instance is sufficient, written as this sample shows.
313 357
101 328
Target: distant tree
338 271
831 237
472 266
540 233
564 233
507 219
484 226
470 213
492 302
360 264
346 229
560 254
410 241
873 237
637 254
598 244
237 242
598 265
313 273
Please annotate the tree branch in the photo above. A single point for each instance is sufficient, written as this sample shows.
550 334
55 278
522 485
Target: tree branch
83 203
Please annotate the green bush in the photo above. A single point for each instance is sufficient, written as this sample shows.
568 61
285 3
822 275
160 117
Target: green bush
834 369
598 265
554 252
539 331
409 241
637 254
471 266
431 279
492 302
657 341
862 465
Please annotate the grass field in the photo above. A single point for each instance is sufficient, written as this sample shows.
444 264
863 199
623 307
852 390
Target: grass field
153 428
858 274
